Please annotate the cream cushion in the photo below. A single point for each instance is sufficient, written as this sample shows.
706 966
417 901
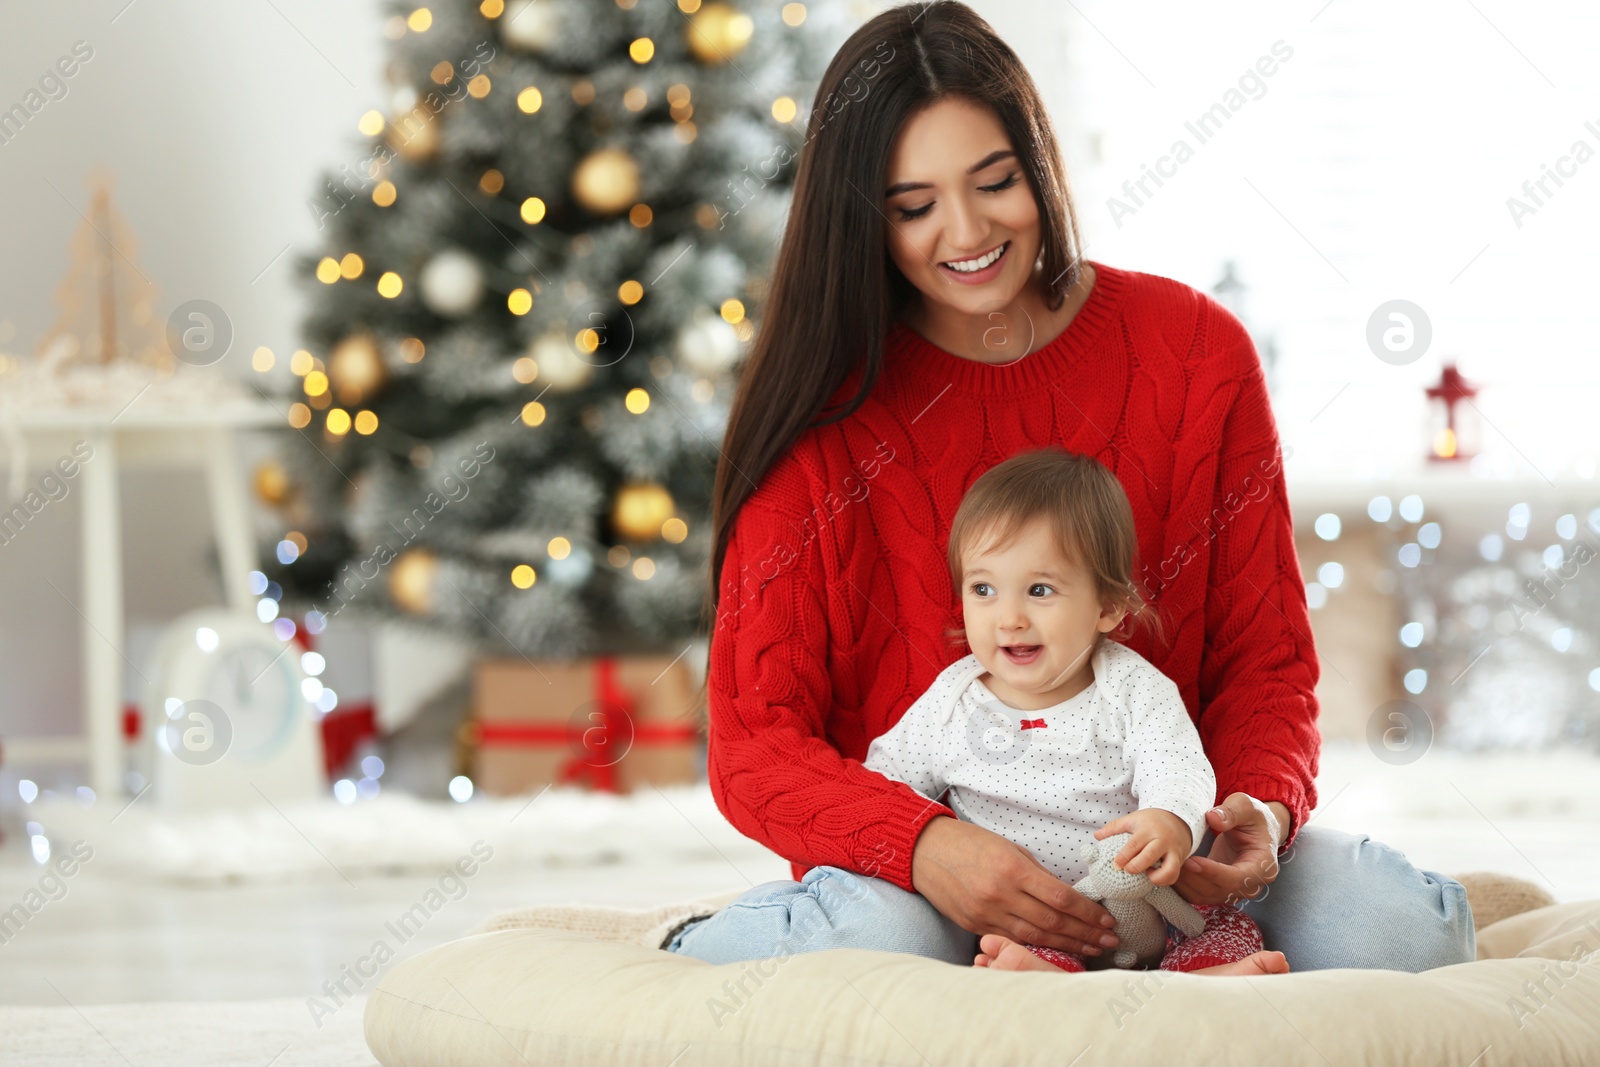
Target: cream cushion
516 997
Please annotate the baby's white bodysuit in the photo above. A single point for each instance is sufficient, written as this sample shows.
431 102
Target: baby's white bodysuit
1048 779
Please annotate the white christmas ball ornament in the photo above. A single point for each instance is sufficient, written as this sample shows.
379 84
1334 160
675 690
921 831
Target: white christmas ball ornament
452 283
707 344
531 25
559 365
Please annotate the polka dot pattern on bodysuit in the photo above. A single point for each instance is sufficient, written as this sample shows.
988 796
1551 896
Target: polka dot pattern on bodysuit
1125 742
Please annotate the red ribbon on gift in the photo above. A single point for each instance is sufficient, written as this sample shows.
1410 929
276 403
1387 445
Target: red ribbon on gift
598 742
1033 724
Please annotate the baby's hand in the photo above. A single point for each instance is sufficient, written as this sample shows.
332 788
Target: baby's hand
1160 843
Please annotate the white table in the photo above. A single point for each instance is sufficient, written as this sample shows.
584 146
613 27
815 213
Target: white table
1445 488
149 437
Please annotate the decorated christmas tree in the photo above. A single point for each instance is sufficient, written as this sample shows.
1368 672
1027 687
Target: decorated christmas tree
525 311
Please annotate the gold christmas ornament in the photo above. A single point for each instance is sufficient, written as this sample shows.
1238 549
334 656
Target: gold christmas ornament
606 181
412 580
640 510
718 32
558 363
271 482
356 368
414 135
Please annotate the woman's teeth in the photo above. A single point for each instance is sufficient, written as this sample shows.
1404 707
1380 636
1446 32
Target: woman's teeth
968 266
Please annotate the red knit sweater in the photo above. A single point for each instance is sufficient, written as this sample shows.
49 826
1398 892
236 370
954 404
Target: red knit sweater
835 594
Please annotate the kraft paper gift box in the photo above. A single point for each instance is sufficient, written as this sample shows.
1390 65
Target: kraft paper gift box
607 723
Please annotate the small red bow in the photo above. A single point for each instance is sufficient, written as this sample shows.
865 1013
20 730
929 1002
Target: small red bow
1032 724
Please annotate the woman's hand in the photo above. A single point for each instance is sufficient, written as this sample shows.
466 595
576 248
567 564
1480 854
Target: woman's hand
989 885
1244 854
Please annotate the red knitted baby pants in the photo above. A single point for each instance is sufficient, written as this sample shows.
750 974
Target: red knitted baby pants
1230 935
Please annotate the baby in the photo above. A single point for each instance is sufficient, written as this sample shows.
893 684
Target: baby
1050 733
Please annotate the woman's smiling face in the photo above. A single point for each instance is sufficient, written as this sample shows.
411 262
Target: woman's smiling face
957 193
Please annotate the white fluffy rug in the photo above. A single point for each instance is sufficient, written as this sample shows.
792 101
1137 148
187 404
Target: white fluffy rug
222 1033
573 827
393 833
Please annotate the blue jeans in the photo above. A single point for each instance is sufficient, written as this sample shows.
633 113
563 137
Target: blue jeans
1340 900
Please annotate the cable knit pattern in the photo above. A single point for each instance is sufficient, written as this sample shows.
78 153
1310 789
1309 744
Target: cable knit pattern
835 594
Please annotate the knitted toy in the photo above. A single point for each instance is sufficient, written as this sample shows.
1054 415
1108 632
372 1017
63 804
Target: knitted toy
1135 902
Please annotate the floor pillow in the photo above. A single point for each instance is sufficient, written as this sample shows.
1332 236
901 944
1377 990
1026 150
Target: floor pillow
539 994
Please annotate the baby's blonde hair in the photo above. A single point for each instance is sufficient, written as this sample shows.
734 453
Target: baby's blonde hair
1089 515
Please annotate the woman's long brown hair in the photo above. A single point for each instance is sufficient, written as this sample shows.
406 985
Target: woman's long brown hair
835 291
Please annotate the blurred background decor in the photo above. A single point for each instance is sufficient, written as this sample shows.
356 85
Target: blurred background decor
390 372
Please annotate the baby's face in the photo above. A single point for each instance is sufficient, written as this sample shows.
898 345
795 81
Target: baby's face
1032 617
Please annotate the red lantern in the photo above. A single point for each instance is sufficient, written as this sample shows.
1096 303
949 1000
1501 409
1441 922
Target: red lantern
1453 435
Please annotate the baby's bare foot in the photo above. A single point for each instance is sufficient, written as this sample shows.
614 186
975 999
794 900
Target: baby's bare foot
1003 954
1255 963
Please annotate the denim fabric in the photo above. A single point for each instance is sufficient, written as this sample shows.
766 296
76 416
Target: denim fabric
1345 900
828 908
1340 900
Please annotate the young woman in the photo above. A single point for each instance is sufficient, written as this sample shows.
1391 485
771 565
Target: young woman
931 315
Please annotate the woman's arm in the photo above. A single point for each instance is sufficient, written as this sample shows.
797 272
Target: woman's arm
1259 667
773 772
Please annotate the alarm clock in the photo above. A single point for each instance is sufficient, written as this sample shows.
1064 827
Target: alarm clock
227 719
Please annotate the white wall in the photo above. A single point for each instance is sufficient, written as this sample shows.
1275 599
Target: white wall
1376 164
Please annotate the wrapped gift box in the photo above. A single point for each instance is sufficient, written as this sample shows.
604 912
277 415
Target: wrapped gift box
608 723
